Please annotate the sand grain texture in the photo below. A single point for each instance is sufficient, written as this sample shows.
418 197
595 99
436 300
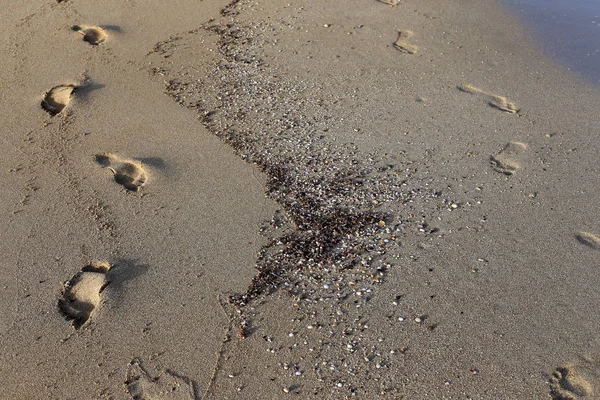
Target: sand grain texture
292 222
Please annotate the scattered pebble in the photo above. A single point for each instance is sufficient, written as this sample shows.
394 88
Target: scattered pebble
350 188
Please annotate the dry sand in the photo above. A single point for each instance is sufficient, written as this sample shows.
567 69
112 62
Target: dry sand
374 199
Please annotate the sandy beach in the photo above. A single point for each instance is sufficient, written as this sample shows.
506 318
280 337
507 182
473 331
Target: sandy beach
262 200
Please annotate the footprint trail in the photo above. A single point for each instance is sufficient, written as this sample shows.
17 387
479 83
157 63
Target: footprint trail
574 381
393 3
588 239
81 294
499 102
93 35
401 44
506 160
57 98
128 173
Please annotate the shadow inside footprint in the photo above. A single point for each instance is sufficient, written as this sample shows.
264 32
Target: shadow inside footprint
568 383
57 98
499 102
128 173
401 44
506 160
81 293
93 35
588 239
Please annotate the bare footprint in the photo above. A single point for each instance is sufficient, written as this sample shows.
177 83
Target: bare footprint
81 294
572 382
402 44
94 35
57 98
506 160
140 385
499 102
589 239
128 173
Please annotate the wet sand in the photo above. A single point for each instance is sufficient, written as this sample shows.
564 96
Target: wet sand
566 30
260 200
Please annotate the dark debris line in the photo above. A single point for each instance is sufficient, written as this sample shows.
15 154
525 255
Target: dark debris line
331 193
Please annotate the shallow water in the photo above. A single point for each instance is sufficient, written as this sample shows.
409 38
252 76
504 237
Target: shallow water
566 29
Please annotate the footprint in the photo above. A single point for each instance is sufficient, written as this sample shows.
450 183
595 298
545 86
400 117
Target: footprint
589 239
499 102
571 382
168 386
128 173
392 3
57 98
94 35
506 160
402 44
81 294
